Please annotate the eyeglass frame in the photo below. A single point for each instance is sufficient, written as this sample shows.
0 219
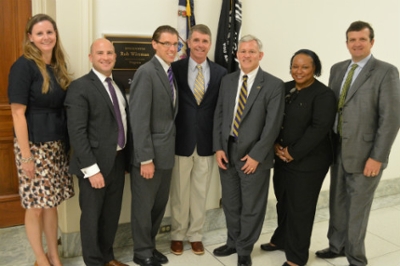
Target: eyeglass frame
168 44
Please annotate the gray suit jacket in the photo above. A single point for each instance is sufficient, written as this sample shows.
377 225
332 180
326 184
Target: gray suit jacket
152 116
371 114
261 119
92 127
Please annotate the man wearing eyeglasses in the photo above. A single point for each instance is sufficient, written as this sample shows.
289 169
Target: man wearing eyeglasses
154 102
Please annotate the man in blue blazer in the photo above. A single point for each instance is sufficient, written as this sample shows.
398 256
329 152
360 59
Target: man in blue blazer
101 150
247 121
153 102
365 129
194 155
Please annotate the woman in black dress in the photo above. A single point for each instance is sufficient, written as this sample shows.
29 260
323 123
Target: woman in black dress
303 156
37 87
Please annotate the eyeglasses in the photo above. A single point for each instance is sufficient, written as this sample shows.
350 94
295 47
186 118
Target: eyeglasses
168 44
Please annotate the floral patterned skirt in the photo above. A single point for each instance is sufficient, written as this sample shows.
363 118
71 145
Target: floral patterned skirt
52 183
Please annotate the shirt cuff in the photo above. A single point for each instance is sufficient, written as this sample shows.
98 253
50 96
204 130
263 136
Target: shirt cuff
90 170
146 162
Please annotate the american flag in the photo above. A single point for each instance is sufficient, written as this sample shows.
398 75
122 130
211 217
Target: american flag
185 22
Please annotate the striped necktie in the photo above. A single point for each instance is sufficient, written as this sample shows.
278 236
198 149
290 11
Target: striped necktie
199 85
241 104
342 97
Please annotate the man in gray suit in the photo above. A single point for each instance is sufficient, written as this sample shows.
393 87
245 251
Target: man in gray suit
247 120
366 126
98 128
153 103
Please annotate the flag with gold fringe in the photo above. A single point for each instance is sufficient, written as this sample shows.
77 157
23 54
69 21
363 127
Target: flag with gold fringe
185 22
229 25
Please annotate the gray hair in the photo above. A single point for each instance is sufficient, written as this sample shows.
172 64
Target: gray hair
249 38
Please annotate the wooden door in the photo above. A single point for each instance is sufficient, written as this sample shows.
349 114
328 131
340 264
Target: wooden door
14 15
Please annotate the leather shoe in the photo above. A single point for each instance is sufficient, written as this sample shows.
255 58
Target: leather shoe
177 247
146 262
197 247
328 254
115 263
224 251
161 258
269 247
244 261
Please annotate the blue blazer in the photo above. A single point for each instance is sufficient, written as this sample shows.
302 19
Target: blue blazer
194 123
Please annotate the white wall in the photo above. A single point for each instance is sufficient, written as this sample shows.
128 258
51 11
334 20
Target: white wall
284 26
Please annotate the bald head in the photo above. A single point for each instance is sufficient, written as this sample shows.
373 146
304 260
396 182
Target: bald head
102 56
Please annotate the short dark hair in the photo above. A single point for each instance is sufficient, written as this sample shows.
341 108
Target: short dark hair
360 25
314 57
164 28
203 29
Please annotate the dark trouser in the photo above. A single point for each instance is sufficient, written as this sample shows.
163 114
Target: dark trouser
244 200
297 196
100 214
149 199
350 202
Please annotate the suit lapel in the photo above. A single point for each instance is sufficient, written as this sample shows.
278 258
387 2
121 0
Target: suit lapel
212 79
255 89
361 78
102 90
162 76
337 83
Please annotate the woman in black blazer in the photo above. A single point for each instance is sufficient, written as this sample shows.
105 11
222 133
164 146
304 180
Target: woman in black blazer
303 154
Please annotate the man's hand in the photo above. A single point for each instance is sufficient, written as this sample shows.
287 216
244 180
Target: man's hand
372 168
97 181
250 165
147 170
222 160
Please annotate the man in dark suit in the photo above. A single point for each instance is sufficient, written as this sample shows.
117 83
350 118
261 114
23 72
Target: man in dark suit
367 124
247 120
153 105
98 128
198 82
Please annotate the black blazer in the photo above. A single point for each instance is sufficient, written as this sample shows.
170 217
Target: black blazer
309 117
92 126
194 123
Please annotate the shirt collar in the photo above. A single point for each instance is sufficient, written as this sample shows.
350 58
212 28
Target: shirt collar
100 75
361 63
250 75
193 64
164 65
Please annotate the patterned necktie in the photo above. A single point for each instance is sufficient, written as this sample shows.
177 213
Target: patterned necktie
342 97
241 104
171 81
121 132
199 85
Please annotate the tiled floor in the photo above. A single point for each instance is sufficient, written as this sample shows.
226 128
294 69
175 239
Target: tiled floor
382 243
